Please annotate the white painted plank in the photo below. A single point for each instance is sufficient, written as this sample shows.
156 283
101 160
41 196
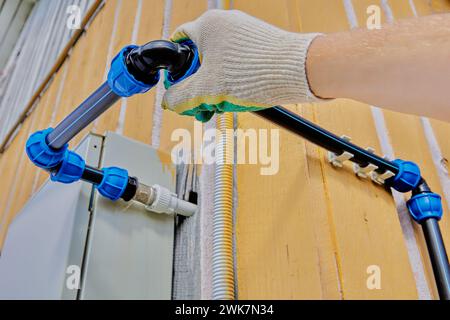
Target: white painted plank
13 32
7 15
42 40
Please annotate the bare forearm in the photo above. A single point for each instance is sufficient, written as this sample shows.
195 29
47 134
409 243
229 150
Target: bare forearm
404 66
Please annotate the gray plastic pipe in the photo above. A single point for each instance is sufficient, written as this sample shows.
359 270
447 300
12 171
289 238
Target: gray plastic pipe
89 110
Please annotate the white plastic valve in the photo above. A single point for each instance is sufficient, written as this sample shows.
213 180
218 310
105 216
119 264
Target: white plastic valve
165 201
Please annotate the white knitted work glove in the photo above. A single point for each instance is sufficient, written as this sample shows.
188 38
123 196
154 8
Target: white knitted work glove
246 65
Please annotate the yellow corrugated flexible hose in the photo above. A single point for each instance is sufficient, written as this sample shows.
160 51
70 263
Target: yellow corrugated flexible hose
223 258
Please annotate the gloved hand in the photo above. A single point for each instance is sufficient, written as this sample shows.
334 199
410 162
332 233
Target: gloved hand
246 65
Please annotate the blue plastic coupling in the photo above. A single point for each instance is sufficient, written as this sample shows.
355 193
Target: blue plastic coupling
120 79
195 65
114 183
40 153
425 206
70 170
408 176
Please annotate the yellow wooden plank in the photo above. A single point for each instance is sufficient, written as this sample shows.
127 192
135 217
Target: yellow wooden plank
9 174
185 11
29 173
99 35
361 6
402 128
122 37
74 79
139 114
367 228
441 131
26 172
182 11
401 9
10 164
291 232
284 248
21 186
324 15
423 7
356 221
277 13
87 67
3 162
47 113
440 5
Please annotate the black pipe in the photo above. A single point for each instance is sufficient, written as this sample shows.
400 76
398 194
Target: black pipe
92 175
95 177
438 257
145 61
321 137
436 248
130 190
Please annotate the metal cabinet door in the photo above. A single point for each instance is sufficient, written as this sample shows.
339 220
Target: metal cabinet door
48 236
130 250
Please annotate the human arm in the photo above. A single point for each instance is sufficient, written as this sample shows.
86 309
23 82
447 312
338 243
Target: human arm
248 64
403 66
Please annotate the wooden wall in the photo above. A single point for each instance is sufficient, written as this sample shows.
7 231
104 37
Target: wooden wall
13 15
30 56
310 231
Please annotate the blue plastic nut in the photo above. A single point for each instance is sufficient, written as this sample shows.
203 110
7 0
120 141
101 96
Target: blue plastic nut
408 176
425 206
40 153
114 182
70 170
121 81
169 81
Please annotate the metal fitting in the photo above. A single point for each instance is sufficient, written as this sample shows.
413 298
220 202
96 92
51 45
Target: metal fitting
144 194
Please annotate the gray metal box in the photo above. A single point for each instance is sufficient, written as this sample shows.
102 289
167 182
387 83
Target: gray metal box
120 250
